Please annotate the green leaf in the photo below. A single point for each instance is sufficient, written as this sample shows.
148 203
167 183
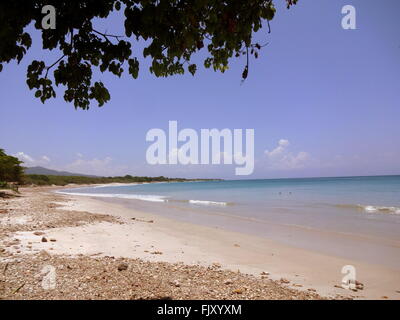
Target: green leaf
134 67
192 69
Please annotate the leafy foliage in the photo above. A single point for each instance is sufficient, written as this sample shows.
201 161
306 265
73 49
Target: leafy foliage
10 168
175 30
39 179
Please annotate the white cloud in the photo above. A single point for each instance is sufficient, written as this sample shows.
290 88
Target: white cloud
101 167
282 159
31 161
279 150
24 157
95 166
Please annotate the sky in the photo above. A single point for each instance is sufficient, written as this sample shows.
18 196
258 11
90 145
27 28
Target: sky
323 101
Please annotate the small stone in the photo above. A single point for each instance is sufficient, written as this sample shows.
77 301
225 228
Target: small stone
229 281
44 239
175 283
238 291
283 280
53 240
38 233
359 285
264 273
122 266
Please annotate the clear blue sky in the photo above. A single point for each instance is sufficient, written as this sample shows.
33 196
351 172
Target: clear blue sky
331 96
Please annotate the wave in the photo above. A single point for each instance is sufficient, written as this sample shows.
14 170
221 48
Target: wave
207 203
144 197
107 185
120 184
371 209
393 210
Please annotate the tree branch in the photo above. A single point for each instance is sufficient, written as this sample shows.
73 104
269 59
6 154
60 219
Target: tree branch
105 36
51 66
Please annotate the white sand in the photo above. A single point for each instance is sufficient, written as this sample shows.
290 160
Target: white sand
195 244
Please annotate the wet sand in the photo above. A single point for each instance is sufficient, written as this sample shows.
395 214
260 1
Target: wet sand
46 252
155 238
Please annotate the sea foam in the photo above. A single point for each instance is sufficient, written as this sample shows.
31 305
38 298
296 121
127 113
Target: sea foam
144 197
381 209
371 208
208 203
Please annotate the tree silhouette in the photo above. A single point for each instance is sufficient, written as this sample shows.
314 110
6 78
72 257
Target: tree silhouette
175 30
10 168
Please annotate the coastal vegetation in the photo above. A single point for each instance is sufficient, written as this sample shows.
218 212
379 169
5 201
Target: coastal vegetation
40 179
12 174
10 171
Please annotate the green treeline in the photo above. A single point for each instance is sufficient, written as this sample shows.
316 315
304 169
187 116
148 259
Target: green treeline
12 174
10 169
39 179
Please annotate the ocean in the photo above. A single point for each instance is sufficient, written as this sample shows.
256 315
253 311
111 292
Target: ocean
354 214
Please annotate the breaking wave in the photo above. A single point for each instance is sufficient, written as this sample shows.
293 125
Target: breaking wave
145 197
371 209
380 209
208 203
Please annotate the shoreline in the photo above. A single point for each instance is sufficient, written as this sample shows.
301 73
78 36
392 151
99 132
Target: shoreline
191 243
354 244
28 263
133 234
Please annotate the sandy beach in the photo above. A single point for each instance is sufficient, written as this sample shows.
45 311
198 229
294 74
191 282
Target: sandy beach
104 250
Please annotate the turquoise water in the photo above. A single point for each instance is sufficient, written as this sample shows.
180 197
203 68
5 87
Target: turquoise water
313 202
379 191
357 217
